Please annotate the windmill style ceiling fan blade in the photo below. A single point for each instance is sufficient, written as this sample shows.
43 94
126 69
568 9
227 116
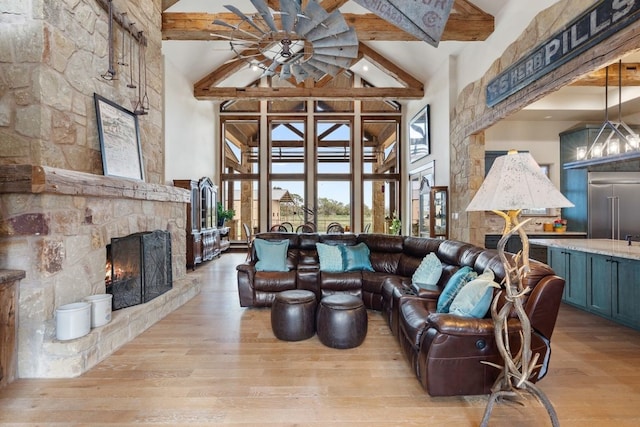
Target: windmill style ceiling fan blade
314 72
290 10
348 38
271 70
264 11
342 62
316 15
330 69
244 17
285 73
334 24
299 73
309 44
235 28
343 51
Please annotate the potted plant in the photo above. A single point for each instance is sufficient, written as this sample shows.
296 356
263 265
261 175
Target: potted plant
224 214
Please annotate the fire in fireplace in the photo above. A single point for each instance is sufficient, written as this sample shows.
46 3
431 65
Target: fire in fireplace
138 268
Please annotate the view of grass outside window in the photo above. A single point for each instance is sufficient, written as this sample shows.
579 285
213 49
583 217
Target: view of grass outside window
314 172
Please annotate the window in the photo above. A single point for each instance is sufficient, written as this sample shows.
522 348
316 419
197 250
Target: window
311 169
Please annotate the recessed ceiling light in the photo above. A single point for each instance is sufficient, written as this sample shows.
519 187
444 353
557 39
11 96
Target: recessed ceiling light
365 68
548 117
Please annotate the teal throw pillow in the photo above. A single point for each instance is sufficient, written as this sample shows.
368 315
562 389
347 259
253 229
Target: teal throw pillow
460 278
428 272
474 299
356 257
272 255
330 257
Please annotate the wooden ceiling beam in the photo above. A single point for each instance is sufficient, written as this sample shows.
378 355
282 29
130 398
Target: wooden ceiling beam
392 69
303 93
369 27
166 4
467 8
630 76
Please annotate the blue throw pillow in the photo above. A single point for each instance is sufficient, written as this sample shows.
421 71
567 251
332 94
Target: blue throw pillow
474 299
356 257
330 257
272 255
453 286
428 272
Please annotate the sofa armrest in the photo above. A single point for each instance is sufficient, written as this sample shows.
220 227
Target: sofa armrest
246 275
431 292
451 324
247 267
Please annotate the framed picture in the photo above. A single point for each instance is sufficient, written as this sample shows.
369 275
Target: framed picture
119 140
419 135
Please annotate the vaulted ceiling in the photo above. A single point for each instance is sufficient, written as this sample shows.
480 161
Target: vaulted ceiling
466 23
398 64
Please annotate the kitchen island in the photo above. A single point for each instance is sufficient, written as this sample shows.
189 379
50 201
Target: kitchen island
537 252
602 276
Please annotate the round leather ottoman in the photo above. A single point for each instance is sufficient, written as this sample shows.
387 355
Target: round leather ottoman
293 315
341 321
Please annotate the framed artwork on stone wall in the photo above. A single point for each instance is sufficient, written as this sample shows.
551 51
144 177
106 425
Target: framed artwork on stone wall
119 136
419 135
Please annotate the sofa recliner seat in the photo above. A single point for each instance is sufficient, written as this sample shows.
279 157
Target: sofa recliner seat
443 350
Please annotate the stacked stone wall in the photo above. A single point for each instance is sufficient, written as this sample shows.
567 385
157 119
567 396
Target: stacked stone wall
52 56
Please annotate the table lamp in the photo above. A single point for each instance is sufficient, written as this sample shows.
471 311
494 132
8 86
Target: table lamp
515 182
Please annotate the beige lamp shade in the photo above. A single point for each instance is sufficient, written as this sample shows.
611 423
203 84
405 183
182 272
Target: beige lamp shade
514 182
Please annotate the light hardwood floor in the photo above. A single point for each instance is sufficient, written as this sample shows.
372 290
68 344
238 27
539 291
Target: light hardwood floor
214 363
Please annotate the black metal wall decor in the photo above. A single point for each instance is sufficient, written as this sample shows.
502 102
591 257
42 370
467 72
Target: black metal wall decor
137 40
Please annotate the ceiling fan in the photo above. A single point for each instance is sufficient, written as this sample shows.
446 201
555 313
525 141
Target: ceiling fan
293 42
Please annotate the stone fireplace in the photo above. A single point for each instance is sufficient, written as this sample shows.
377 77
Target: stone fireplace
58 211
55 225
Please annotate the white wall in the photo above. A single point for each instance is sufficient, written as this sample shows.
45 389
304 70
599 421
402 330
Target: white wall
469 65
541 139
190 130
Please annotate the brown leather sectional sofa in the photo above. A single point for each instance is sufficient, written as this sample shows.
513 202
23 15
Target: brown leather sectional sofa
444 350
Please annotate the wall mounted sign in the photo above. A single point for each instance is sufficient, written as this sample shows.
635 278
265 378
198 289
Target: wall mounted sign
597 23
119 139
423 19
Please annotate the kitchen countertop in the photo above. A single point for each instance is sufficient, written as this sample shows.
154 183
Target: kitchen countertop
548 233
618 248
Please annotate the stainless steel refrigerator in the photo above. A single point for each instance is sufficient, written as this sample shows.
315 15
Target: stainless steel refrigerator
614 205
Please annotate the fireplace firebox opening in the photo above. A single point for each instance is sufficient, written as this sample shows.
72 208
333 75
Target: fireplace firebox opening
138 268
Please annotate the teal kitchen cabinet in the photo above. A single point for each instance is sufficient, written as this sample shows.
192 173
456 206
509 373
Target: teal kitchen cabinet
601 274
570 265
626 292
613 285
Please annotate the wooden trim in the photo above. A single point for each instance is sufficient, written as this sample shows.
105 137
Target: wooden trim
44 179
369 27
391 68
630 76
303 93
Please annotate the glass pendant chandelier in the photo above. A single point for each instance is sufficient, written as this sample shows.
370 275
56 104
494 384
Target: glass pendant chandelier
615 140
